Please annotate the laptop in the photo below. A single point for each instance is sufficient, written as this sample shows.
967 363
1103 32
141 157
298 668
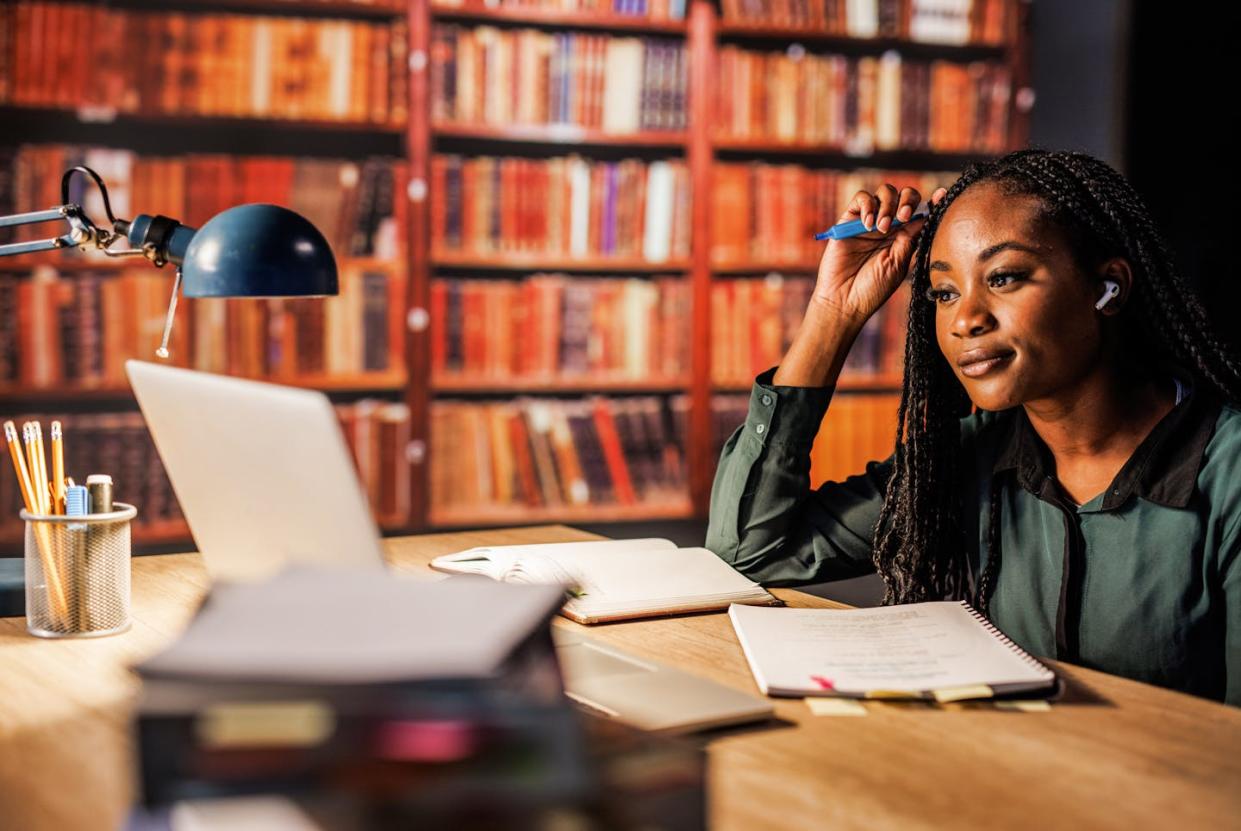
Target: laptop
265 480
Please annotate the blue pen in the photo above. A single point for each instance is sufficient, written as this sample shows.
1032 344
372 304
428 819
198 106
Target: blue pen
854 227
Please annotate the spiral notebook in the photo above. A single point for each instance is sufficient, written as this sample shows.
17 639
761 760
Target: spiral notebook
942 650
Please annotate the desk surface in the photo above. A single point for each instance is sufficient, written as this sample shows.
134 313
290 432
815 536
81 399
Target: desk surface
1114 754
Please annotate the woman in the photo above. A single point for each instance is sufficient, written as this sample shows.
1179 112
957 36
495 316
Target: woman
1090 505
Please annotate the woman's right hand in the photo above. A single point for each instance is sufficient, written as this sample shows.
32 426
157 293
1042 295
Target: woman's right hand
857 275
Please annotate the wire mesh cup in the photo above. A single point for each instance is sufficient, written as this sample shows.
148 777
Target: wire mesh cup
77 573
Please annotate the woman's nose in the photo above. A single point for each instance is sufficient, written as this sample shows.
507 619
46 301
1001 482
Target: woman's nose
973 318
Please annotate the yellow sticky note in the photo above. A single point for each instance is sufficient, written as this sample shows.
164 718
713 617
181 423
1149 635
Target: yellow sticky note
1024 706
835 706
958 693
898 694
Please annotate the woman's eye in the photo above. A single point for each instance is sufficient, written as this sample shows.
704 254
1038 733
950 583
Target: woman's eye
940 295
1003 278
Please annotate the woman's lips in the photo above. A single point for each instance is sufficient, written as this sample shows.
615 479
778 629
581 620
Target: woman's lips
982 367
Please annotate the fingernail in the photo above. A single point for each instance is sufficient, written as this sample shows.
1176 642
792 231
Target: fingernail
904 213
884 224
869 222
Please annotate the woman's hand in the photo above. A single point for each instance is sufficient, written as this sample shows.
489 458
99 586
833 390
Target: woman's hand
857 275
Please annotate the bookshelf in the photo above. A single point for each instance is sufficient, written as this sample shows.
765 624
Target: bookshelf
675 52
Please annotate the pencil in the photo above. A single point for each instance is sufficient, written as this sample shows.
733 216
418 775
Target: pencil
58 467
41 458
32 464
19 465
57 597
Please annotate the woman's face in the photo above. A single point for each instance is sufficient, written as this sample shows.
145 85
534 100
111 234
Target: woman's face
1013 314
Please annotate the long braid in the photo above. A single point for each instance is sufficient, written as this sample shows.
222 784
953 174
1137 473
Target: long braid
986 582
919 548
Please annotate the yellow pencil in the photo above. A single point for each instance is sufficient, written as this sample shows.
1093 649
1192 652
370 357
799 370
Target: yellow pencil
58 467
57 597
32 464
41 457
19 465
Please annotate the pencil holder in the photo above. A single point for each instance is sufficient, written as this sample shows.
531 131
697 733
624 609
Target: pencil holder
77 573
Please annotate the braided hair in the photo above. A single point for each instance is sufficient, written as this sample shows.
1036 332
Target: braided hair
919 548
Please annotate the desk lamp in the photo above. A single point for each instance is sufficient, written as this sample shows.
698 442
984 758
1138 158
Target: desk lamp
246 251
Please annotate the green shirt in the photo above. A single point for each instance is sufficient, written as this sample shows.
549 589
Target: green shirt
1142 581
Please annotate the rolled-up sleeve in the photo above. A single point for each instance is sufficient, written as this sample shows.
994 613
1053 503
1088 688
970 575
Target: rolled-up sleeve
765 520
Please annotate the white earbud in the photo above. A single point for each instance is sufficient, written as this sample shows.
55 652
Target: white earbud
1113 289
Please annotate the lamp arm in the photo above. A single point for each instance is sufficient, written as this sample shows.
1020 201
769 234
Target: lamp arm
157 238
52 215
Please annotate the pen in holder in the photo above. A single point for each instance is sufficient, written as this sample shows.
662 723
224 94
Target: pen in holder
77 573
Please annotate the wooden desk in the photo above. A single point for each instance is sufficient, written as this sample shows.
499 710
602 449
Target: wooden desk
1115 754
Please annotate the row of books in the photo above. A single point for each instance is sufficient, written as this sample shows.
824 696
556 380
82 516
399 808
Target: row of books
764 213
356 335
957 22
552 453
858 427
862 104
565 207
92 55
753 323
120 445
502 77
358 206
554 326
77 330
655 10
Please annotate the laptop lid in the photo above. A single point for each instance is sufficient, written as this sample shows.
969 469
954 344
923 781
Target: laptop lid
262 472
648 694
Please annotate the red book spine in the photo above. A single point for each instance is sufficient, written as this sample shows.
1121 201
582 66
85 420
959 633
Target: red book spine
605 425
523 459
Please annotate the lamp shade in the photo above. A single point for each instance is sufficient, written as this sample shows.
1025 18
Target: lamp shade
258 251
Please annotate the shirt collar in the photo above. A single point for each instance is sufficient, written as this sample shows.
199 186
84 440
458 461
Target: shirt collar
1163 468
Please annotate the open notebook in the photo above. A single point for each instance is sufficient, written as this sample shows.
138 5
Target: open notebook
942 650
616 579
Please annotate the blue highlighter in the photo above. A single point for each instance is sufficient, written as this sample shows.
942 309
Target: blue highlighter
854 227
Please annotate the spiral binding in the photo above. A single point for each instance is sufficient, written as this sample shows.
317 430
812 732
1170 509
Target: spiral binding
1004 639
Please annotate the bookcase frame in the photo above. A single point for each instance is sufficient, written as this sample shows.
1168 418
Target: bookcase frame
704 32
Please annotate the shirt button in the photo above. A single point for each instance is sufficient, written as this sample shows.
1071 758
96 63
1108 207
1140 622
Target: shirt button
766 399
759 429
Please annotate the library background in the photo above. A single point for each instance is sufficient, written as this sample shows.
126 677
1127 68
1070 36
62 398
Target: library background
569 233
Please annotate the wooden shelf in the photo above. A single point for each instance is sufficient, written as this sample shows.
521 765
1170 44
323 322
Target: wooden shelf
594 384
852 383
541 262
567 134
766 145
95 261
765 268
96 115
828 156
494 515
372 9
558 19
820 37
364 382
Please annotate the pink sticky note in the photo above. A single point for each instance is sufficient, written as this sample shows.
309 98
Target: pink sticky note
825 683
